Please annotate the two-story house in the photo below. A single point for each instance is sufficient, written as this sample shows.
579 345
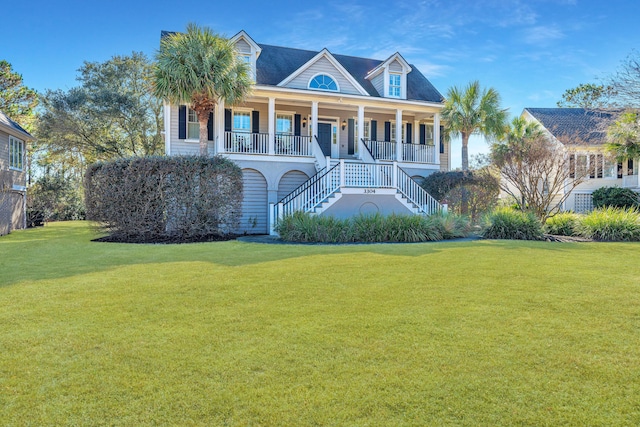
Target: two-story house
13 190
324 133
583 134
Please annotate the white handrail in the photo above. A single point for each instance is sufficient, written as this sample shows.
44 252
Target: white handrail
311 194
416 194
382 150
418 153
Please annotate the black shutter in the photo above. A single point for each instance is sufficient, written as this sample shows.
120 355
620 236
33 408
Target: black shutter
210 127
423 134
387 131
182 122
296 125
630 167
409 134
374 130
227 120
599 166
255 121
350 137
441 139
592 166
619 170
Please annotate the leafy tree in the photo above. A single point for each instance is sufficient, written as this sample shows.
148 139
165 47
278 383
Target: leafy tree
55 198
623 136
199 68
16 100
587 95
534 170
112 114
473 110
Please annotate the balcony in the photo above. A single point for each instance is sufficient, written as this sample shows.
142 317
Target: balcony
409 153
258 143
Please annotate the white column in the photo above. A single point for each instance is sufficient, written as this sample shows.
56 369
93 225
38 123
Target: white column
436 138
314 120
360 129
399 135
416 131
219 124
272 125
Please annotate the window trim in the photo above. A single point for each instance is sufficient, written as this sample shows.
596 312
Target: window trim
398 86
188 137
291 116
324 90
13 143
247 111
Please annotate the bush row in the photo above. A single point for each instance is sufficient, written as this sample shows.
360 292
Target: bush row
605 224
303 227
158 198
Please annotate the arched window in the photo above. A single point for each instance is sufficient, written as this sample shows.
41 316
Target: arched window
323 82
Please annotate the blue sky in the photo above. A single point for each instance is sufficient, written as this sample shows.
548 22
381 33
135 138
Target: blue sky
530 51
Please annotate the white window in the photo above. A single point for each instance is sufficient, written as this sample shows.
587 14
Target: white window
245 58
610 168
284 124
393 132
193 125
241 121
323 82
16 153
367 130
394 85
428 135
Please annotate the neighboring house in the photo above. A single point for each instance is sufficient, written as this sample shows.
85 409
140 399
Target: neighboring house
324 133
583 134
13 181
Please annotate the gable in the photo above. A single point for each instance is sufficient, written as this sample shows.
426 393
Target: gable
242 46
395 67
323 66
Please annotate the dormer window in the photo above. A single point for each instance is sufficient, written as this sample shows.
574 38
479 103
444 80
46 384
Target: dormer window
323 82
394 85
245 58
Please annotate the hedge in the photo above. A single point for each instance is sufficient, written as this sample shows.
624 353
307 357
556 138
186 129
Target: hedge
158 198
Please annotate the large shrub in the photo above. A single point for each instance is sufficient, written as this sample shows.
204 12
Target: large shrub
507 223
164 198
611 224
479 188
304 227
562 224
615 197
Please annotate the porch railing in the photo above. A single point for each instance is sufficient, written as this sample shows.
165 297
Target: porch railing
310 194
367 175
246 142
381 150
292 145
416 194
412 153
418 153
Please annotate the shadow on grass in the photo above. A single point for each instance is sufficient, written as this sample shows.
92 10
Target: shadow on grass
65 249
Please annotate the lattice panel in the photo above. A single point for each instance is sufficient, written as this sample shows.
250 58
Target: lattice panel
583 203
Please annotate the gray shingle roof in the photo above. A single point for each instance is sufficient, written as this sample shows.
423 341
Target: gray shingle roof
277 63
8 123
576 125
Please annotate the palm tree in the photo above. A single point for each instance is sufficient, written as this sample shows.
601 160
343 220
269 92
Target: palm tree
624 136
199 68
473 111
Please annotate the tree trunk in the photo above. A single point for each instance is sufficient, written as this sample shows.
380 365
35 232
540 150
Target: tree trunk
204 140
465 151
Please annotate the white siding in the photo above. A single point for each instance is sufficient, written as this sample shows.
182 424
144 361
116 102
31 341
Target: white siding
378 83
255 208
289 182
242 46
395 67
322 66
182 146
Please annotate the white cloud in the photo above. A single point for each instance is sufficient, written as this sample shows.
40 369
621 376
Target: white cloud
543 34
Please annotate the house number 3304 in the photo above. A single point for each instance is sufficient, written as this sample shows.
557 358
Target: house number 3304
369 191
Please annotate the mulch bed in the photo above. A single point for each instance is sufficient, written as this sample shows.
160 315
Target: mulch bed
166 239
565 239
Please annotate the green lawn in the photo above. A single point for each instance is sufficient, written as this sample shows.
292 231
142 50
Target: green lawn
459 333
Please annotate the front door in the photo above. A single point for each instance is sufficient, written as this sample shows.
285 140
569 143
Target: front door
324 138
